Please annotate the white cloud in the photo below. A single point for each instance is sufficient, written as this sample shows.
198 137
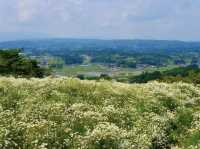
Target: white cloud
103 18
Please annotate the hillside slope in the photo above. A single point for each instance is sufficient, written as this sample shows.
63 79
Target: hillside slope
69 113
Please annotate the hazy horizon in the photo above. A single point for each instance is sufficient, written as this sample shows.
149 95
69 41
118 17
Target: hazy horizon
100 19
29 36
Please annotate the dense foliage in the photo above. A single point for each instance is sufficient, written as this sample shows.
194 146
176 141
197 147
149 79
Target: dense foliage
13 62
120 53
69 113
123 57
189 74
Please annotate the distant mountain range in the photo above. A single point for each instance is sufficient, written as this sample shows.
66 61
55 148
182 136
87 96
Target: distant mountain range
95 44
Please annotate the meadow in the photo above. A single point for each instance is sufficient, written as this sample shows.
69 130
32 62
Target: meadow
61 113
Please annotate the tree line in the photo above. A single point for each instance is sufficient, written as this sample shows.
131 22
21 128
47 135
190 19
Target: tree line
189 74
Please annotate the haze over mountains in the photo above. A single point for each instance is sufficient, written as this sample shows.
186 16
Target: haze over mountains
98 44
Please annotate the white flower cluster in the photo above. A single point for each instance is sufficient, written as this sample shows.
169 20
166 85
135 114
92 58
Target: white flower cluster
56 113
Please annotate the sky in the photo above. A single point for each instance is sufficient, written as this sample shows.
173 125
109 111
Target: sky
104 19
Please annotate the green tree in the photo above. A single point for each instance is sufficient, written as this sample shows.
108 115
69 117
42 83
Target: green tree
13 62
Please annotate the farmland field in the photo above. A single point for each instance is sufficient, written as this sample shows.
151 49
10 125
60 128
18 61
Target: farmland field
97 69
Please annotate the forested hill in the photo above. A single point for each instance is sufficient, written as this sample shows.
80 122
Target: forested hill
94 44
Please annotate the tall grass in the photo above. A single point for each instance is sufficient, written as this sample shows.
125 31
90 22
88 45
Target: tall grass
69 113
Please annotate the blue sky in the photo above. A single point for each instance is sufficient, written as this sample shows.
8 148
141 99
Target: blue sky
144 19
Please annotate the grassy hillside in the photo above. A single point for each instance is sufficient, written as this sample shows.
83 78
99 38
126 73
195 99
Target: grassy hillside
69 113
